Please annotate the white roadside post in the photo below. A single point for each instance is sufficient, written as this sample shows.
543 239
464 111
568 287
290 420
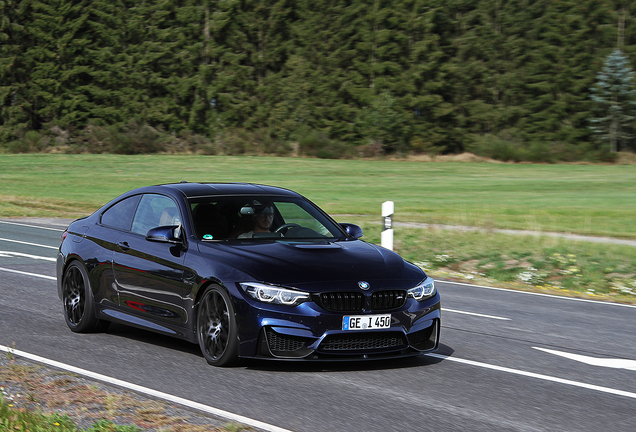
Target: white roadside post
387 231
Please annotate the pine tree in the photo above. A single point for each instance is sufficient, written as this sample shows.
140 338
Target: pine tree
253 42
198 56
614 97
492 48
565 39
382 121
424 86
15 110
317 74
61 68
116 87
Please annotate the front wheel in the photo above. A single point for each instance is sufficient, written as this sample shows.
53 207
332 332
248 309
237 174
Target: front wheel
216 327
77 299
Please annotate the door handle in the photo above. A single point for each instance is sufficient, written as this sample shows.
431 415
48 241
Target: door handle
123 245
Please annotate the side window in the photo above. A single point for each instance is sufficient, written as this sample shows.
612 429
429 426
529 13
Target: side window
153 211
120 214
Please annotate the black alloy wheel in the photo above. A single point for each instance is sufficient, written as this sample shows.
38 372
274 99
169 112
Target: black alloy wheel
78 301
216 327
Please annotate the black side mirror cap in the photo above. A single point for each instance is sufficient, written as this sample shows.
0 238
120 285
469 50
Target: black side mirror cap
352 230
165 234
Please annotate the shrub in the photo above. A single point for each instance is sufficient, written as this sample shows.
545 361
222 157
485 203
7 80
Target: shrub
312 142
372 150
335 150
188 142
511 150
422 146
93 139
138 138
539 151
318 144
31 142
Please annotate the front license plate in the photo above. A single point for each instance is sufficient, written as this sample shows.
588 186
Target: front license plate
366 322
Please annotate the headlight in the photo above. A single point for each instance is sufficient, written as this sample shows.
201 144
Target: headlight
423 291
273 294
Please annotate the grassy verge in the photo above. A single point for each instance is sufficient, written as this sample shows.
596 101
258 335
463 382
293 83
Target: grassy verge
23 420
36 398
533 263
582 199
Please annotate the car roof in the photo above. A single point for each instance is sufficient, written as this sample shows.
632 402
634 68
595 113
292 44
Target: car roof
192 190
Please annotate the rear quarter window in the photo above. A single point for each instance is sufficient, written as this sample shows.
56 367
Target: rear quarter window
120 215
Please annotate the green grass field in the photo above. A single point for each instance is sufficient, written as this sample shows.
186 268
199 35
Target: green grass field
581 199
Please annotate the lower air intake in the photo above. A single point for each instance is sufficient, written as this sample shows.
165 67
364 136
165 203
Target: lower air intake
286 346
424 340
362 342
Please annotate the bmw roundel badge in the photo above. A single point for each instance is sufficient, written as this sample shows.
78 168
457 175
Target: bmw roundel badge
364 285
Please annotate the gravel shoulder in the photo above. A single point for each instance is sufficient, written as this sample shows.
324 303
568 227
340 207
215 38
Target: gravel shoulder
28 385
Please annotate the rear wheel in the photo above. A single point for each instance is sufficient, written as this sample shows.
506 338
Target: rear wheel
216 327
77 299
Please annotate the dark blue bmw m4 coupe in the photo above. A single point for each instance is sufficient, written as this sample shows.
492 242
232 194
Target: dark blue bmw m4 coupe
245 271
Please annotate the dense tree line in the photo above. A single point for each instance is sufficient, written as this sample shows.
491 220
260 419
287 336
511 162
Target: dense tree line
334 75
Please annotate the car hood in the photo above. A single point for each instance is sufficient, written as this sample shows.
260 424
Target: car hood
311 264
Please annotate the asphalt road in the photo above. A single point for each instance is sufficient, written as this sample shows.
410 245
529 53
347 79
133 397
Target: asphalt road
509 361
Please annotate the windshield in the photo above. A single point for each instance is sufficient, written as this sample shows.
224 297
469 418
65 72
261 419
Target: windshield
259 217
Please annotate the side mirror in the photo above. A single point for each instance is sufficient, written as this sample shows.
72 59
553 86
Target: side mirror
165 234
352 230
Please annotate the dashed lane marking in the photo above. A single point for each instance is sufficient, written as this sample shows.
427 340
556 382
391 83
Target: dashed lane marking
29 243
11 254
27 273
32 226
475 314
536 375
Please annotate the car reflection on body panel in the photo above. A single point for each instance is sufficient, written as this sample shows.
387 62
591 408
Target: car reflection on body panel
245 271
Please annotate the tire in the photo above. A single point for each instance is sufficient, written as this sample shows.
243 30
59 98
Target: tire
216 327
77 299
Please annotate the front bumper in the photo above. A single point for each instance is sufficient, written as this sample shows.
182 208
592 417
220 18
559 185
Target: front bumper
307 332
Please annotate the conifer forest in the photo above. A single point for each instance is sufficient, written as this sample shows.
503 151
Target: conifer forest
511 79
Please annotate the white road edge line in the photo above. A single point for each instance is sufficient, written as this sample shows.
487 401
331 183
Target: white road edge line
536 375
148 391
27 273
475 314
28 243
538 294
33 226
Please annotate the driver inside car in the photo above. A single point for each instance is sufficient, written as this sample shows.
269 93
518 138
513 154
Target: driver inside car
262 218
